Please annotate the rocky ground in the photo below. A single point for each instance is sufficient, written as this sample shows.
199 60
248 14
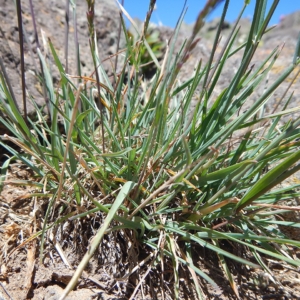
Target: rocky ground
22 276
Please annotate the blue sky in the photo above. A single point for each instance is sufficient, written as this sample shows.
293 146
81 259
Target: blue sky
168 11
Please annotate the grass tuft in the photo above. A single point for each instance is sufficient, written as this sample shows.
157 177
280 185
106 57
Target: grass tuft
169 169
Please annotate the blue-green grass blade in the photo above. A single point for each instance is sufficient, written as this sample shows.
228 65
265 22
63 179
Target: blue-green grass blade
223 173
192 266
297 51
192 237
267 181
239 238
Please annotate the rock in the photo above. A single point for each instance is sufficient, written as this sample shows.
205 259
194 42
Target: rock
50 19
214 24
54 292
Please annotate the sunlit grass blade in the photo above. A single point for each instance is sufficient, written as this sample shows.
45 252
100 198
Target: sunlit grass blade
97 239
267 181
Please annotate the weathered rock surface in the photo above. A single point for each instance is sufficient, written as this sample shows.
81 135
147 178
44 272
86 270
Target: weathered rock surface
284 36
50 17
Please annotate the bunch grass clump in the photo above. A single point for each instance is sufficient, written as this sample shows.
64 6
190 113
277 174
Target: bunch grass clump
168 167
